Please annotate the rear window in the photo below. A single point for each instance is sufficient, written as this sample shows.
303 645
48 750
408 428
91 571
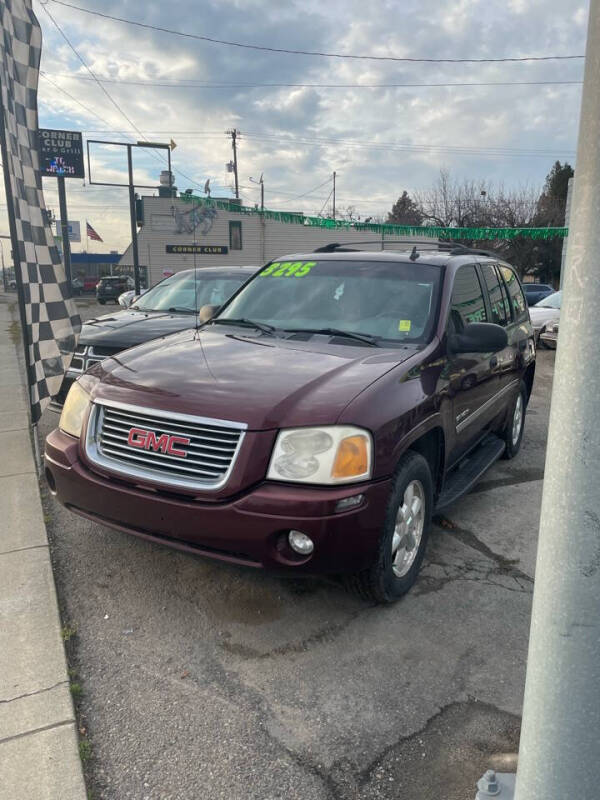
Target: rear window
517 299
498 298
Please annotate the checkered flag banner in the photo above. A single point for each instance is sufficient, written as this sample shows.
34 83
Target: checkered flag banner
51 319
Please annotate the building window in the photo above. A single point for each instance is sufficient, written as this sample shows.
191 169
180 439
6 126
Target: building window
235 235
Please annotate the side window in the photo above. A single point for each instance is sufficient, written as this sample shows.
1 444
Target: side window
467 300
500 311
235 235
517 301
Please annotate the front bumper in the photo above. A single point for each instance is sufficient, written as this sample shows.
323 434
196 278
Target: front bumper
249 529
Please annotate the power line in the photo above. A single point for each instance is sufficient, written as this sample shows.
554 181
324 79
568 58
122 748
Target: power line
304 194
294 139
71 97
114 102
184 83
312 52
93 75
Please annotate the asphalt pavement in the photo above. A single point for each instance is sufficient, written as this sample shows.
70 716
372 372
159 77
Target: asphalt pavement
204 680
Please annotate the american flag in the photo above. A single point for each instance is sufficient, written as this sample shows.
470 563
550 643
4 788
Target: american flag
91 233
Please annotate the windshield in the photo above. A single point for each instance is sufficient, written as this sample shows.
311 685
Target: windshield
552 301
183 293
389 299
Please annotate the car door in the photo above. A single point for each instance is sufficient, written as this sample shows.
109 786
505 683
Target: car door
521 349
472 378
500 314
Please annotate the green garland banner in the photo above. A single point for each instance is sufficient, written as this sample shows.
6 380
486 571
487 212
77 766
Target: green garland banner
431 231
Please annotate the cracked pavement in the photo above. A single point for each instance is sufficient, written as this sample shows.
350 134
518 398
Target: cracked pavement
203 680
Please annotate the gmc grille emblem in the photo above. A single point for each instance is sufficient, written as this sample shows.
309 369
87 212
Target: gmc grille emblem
148 440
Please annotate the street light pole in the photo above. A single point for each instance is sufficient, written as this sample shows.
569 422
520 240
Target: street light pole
560 740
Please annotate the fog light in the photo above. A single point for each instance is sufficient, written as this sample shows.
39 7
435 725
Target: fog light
301 543
349 502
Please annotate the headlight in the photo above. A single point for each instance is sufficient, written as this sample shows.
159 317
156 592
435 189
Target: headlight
332 454
76 404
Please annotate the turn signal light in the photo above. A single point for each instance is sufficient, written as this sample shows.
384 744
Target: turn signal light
352 458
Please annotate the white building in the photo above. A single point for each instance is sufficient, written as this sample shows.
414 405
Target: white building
179 233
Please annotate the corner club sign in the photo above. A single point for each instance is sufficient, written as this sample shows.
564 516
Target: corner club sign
61 153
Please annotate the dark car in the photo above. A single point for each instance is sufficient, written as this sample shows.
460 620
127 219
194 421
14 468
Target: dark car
168 307
316 423
534 292
111 287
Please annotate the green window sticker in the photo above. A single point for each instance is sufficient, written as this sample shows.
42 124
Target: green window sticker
404 325
288 269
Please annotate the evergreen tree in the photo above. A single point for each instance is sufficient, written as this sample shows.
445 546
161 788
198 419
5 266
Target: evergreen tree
405 211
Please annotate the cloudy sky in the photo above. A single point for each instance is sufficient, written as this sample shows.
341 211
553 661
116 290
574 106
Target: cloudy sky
379 140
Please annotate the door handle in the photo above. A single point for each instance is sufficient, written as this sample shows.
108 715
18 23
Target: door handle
494 362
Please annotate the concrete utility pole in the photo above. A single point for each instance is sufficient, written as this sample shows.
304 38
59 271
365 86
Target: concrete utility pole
563 259
560 741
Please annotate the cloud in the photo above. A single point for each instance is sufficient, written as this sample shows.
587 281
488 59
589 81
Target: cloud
380 141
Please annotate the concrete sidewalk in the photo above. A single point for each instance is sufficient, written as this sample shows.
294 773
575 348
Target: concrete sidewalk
39 756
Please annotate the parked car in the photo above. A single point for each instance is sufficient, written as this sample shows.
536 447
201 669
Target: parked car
126 299
544 314
550 336
316 422
166 308
534 292
77 285
110 287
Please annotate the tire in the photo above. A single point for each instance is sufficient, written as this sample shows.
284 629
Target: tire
386 581
102 302
511 438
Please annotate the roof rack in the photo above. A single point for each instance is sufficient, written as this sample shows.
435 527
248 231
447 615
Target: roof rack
453 248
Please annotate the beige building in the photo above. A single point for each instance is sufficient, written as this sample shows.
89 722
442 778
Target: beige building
178 233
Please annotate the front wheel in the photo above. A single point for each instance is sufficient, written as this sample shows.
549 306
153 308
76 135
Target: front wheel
403 537
513 432
102 302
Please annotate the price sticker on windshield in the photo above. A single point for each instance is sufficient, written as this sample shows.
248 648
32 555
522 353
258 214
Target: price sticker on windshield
288 269
404 325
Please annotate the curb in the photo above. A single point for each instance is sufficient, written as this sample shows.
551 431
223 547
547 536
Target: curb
39 751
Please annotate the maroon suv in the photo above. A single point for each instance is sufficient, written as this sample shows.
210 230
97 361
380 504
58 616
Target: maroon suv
315 422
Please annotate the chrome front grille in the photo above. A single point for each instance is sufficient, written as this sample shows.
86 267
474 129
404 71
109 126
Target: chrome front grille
175 449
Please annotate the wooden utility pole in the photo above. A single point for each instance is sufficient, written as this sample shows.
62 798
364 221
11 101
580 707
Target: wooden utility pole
234 134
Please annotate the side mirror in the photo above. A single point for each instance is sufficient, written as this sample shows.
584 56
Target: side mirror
207 312
478 337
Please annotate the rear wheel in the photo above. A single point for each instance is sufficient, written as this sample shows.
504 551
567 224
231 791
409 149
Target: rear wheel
102 302
404 535
513 431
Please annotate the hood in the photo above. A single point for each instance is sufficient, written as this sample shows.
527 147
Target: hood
542 314
263 381
127 328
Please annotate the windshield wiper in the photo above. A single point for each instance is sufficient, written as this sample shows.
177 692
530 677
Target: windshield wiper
181 310
245 323
360 337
